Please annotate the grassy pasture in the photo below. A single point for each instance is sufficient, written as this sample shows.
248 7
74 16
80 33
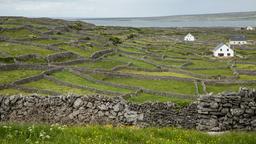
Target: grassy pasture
158 85
11 76
19 34
71 78
49 85
18 49
56 134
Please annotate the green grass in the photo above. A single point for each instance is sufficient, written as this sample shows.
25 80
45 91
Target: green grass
247 77
207 64
215 72
11 76
11 92
18 49
156 73
71 78
144 98
102 64
226 88
134 62
18 34
47 41
44 134
246 66
87 52
7 26
158 85
48 85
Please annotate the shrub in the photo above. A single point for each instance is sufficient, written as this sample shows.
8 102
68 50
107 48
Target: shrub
115 40
77 26
131 36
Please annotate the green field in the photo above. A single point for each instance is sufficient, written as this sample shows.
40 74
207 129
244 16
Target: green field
144 54
143 61
56 134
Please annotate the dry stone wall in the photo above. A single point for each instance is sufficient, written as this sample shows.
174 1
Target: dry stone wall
232 111
93 110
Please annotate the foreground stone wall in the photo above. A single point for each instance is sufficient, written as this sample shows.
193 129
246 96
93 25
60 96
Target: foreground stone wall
93 110
229 111
232 111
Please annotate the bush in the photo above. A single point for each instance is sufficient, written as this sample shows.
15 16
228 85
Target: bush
131 36
115 40
77 26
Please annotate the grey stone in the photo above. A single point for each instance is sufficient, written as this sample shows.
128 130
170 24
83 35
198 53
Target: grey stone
237 111
78 103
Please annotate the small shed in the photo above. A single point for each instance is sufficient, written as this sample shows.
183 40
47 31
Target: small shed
222 50
249 28
189 37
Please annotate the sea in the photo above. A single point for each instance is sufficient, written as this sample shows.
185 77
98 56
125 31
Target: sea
169 23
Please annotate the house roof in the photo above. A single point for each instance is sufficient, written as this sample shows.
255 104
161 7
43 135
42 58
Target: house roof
219 46
238 38
189 34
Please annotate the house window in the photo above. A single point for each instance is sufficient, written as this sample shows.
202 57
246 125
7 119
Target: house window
228 54
220 49
220 54
227 49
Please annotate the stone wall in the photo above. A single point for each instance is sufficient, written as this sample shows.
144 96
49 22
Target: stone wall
59 56
93 110
222 112
231 111
101 53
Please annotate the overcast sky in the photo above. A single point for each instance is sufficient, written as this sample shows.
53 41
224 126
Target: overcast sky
120 8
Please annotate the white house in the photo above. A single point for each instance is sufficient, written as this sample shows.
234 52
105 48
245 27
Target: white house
189 37
238 40
249 28
223 50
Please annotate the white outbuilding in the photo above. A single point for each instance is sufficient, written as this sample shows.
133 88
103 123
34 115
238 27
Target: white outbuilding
223 50
238 40
189 37
249 28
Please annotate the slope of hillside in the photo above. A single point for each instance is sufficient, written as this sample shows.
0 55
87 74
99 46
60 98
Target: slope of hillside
53 57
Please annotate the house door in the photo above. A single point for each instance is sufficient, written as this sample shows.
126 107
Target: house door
220 54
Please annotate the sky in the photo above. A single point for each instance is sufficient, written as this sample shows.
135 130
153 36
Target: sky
120 8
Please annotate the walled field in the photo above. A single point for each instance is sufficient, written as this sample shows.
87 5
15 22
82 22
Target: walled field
57 57
140 64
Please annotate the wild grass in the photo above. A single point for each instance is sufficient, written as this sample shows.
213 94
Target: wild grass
246 66
219 88
102 64
18 49
8 92
48 41
57 134
86 52
155 73
158 85
71 78
49 85
134 62
18 34
215 72
11 76
144 98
